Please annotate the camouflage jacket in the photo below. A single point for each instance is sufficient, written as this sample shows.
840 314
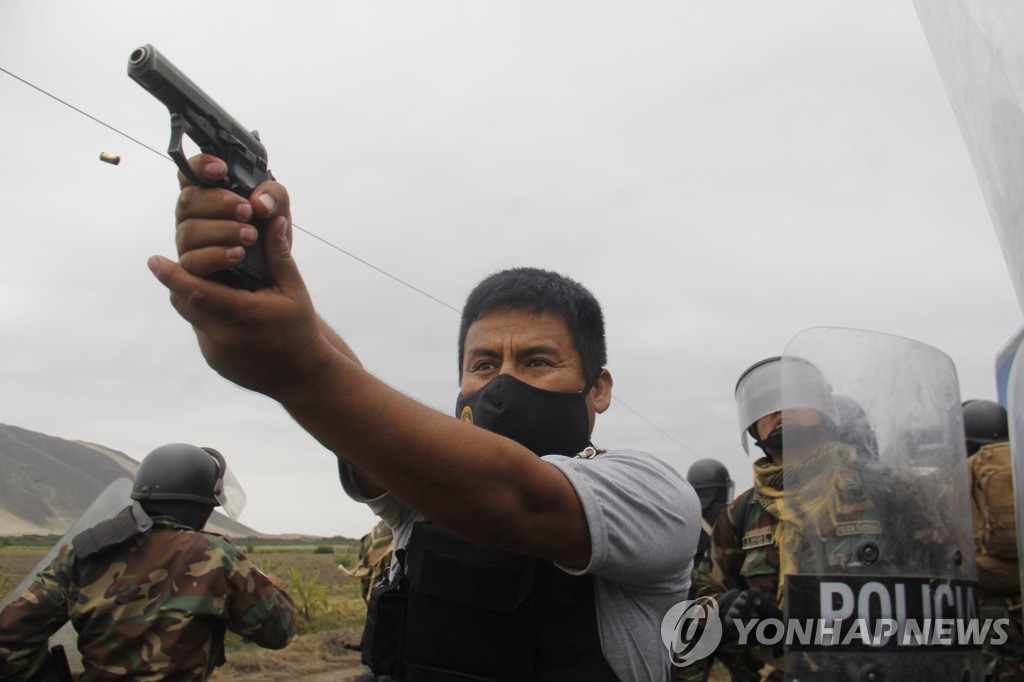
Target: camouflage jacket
742 553
375 551
154 607
862 497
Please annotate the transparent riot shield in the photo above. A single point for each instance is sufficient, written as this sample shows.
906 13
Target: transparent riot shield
1015 412
978 47
875 536
107 504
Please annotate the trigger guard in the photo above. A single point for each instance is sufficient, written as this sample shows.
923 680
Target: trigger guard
174 150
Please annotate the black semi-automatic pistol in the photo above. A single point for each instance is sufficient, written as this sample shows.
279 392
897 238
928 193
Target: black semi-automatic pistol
195 114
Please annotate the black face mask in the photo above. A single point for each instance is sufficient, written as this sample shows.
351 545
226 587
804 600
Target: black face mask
773 441
796 437
545 422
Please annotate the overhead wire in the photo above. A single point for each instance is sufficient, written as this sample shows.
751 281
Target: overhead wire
324 241
83 113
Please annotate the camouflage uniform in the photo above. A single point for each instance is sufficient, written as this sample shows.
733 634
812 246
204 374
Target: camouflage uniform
1003 663
154 607
744 553
375 551
741 663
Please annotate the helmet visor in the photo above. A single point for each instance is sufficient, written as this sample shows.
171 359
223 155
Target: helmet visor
231 496
759 392
228 491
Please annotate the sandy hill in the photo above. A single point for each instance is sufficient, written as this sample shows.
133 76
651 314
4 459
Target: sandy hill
46 483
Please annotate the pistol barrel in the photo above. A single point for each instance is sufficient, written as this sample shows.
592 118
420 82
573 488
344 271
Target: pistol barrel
156 73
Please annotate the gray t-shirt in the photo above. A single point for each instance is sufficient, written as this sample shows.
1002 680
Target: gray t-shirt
644 521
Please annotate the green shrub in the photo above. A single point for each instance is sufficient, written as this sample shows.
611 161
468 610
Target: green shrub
323 549
310 594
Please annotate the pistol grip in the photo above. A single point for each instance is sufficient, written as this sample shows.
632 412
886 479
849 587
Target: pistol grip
251 273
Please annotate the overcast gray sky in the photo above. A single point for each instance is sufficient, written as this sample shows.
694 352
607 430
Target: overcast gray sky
723 176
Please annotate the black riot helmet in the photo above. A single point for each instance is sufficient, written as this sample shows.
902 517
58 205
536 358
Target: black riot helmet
985 422
186 482
855 428
711 480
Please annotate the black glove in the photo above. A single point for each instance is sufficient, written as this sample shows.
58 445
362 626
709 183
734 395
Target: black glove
743 605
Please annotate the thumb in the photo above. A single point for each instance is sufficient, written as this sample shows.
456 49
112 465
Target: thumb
283 270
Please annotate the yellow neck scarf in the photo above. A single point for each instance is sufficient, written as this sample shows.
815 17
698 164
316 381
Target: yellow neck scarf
814 481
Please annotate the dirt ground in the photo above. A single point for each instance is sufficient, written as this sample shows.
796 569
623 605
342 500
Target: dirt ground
313 658
321 658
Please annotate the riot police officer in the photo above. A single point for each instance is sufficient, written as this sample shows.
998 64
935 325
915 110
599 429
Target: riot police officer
850 502
743 556
710 479
987 435
819 499
985 423
176 588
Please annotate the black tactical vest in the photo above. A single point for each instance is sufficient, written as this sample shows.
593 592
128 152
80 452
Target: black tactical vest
463 613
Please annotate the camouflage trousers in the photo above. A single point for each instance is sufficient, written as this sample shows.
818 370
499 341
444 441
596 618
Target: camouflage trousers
1004 662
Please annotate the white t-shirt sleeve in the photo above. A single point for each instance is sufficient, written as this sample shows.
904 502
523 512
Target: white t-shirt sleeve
389 508
644 518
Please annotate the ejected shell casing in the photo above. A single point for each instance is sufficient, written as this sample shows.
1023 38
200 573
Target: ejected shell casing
112 159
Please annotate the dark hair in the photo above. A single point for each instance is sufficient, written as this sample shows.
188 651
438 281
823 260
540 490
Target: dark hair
542 290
